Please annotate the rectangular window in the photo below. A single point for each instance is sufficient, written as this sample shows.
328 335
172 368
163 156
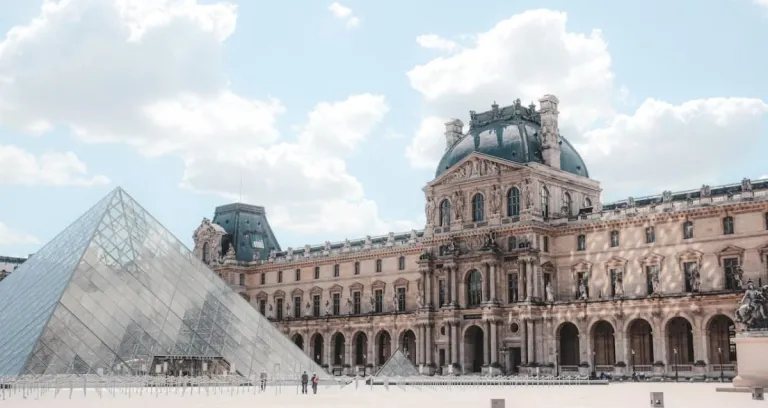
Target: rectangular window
356 302
650 235
316 305
511 243
728 225
614 275
581 243
650 272
336 304
242 279
731 266
401 299
688 268
336 270
614 239
512 287
545 244
317 272
263 306
378 265
378 301
263 278
298 275
357 268
279 276
297 307
687 230
279 304
440 293
401 263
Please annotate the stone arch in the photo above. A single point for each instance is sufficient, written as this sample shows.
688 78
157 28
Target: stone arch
474 352
298 340
721 330
316 347
338 348
383 341
444 210
640 337
568 353
513 202
360 348
407 342
473 282
603 336
680 345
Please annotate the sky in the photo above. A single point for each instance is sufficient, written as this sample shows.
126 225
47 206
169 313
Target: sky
331 115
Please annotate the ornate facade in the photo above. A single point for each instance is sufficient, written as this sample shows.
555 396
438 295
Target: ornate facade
521 268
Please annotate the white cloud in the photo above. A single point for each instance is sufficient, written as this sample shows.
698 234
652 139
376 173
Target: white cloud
763 3
11 237
435 42
664 146
20 167
526 56
149 74
345 14
533 54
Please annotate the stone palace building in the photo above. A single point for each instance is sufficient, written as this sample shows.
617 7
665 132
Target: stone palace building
520 267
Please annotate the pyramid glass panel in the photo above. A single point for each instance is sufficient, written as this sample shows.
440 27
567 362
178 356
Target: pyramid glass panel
398 365
117 293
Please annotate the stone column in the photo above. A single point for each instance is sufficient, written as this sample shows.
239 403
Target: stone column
532 357
328 346
521 282
536 280
454 343
493 282
347 350
428 289
428 343
420 344
700 346
448 286
371 359
622 346
524 341
494 348
455 273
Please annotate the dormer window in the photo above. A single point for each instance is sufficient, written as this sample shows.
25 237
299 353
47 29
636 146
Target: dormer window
478 208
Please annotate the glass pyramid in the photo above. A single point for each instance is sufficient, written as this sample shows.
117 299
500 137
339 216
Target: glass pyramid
116 291
398 365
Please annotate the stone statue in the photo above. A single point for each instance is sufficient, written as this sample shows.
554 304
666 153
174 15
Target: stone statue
695 279
490 241
373 304
230 256
394 303
619 288
368 242
391 238
309 308
527 194
656 282
738 277
270 311
429 208
349 305
327 307
583 290
495 199
307 250
666 196
751 309
327 246
347 244
289 253
475 168
420 298
458 204
705 191
287 308
746 184
548 292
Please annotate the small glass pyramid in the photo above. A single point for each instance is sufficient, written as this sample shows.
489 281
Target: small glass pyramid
115 292
398 365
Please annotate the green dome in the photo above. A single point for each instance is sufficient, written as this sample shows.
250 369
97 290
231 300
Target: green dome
517 139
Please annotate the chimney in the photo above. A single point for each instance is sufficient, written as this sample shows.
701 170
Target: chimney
550 132
453 133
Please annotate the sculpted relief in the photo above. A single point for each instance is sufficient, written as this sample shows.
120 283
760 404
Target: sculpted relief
207 239
475 168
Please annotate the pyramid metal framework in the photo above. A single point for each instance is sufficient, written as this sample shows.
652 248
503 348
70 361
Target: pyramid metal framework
115 290
398 365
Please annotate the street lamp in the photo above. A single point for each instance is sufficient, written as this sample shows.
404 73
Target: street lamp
720 361
557 364
633 364
676 362
594 369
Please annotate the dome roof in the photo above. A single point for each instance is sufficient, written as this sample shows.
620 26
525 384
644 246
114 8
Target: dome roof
512 133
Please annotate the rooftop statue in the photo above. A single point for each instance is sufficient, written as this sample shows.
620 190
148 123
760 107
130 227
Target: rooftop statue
752 308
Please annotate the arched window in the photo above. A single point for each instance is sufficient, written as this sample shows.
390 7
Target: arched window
587 202
513 202
478 210
687 230
474 288
544 202
242 279
567 204
206 258
401 263
445 213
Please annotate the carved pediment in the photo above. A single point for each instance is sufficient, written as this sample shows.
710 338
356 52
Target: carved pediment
356 287
262 295
278 294
615 263
651 259
582 267
378 285
316 291
730 251
335 289
476 165
297 292
548 266
401 282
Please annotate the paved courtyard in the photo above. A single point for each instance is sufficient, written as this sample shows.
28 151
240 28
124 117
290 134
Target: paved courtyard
628 395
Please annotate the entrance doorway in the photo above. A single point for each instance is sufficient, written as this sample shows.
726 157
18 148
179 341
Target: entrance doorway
473 349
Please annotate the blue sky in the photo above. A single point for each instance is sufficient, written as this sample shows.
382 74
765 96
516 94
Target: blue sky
331 116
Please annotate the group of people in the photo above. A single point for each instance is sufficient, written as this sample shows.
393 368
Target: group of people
304 381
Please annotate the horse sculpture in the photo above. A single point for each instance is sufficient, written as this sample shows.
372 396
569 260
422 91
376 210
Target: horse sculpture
752 307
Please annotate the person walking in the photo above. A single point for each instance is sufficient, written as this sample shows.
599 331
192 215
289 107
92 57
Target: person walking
304 381
315 380
263 377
